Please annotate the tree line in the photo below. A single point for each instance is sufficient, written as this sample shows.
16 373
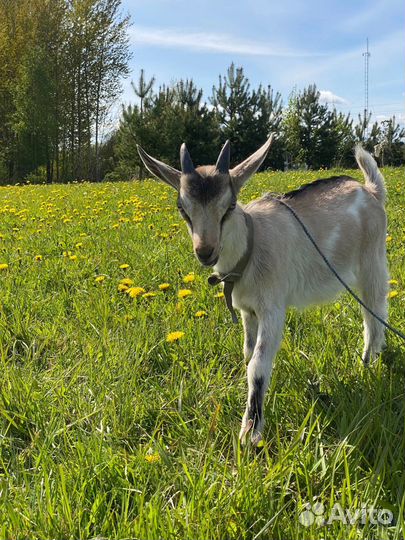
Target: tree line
309 133
61 63
61 67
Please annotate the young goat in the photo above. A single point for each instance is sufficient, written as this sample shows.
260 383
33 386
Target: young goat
261 252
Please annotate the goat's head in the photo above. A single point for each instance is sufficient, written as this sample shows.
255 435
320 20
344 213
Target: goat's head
207 194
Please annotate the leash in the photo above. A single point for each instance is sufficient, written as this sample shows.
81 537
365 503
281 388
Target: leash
334 272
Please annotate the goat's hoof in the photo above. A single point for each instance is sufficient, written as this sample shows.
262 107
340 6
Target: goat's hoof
255 438
246 427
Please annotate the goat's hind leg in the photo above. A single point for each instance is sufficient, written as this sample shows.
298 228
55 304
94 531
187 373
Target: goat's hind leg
373 287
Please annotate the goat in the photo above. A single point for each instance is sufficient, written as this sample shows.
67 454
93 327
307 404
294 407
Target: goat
280 266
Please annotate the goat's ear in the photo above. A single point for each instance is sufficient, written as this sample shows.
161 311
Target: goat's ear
159 169
247 168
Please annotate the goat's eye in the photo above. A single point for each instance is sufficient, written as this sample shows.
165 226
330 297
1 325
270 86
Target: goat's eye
184 214
230 209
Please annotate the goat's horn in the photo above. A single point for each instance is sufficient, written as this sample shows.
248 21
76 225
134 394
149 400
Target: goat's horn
223 160
187 166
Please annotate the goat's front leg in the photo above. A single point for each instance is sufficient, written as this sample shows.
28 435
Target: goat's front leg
250 325
270 331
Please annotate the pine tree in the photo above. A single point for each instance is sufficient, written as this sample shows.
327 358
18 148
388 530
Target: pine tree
246 116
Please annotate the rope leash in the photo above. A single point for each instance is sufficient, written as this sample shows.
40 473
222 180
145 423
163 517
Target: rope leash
334 272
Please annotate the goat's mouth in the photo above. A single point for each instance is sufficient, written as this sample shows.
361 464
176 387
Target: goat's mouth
212 261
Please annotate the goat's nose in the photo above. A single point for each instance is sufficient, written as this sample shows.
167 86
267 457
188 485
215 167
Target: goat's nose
204 253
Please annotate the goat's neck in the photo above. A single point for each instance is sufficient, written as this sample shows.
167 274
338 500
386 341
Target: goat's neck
234 241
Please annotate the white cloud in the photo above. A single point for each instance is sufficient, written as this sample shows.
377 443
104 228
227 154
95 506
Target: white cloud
326 96
219 43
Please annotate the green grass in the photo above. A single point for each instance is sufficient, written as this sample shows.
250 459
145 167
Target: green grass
107 430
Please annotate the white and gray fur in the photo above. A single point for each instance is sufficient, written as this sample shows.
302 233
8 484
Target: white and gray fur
346 219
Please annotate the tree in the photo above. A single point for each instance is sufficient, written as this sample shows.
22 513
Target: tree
246 116
143 90
390 149
173 115
342 125
56 86
310 129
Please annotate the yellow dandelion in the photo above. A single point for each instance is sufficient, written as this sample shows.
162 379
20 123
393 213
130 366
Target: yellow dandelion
174 336
38 258
164 286
219 295
388 239
201 314
99 279
134 292
392 294
122 287
127 281
149 295
152 458
73 257
79 245
189 278
124 266
393 282
183 293
3 266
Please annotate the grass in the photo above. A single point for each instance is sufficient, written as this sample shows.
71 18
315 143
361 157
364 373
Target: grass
108 430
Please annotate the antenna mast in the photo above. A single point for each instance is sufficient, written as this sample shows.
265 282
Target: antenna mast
366 63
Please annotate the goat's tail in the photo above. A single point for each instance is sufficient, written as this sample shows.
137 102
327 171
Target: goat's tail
372 175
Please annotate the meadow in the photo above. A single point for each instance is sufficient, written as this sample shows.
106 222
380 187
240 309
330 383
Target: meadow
123 383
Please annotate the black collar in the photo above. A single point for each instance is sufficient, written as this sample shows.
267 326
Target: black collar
236 273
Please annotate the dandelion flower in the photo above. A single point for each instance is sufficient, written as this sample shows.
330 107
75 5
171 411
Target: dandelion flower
189 278
393 282
99 279
149 295
174 336
201 314
219 295
127 281
3 266
392 294
164 286
388 239
79 245
38 258
73 257
183 293
124 266
134 292
122 287
152 458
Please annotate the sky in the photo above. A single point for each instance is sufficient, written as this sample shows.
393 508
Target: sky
287 44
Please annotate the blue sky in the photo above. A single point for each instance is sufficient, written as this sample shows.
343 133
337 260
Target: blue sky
287 44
